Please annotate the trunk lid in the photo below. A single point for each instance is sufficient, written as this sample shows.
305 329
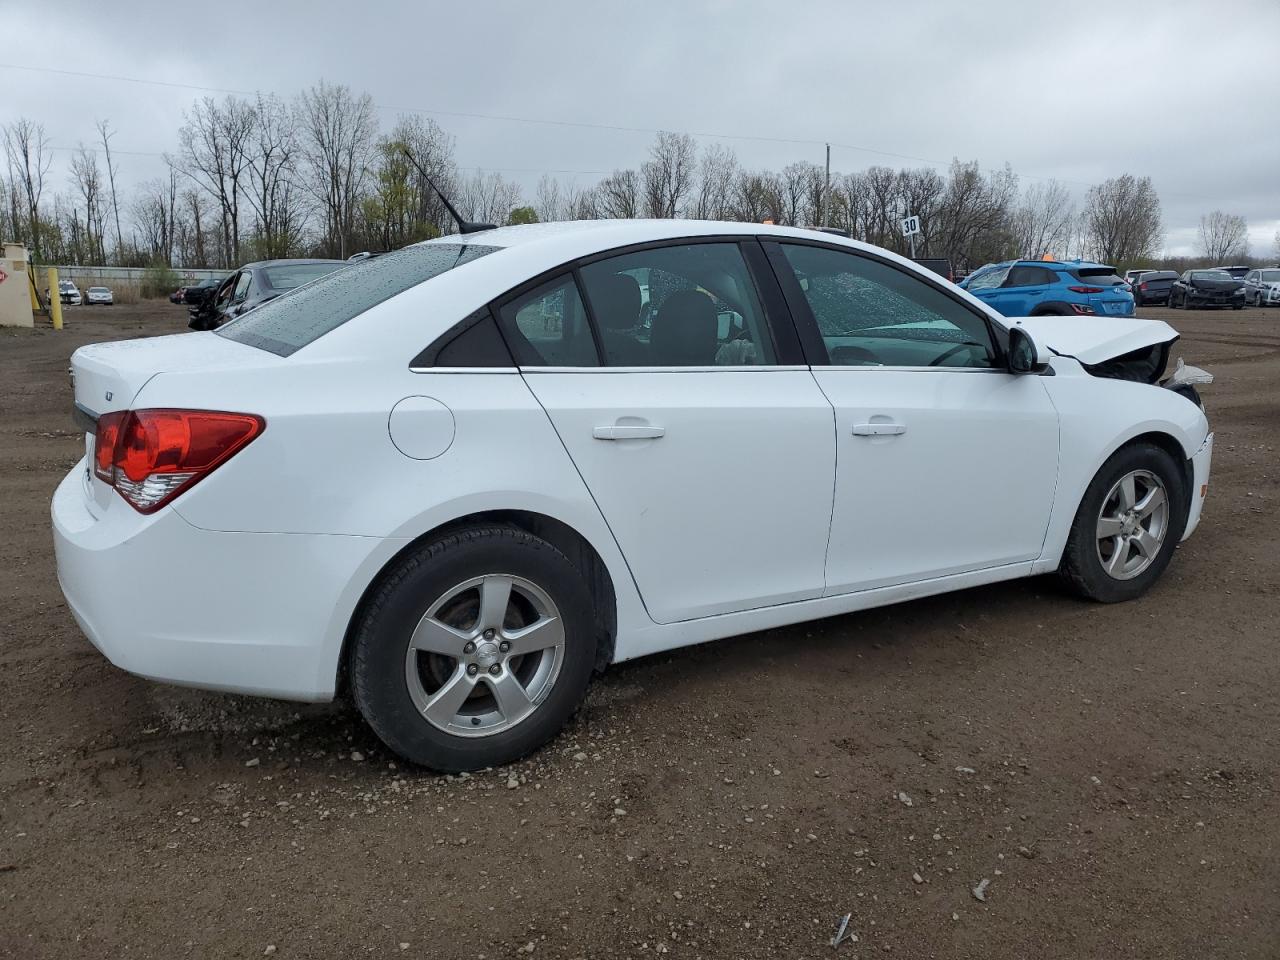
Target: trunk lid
109 376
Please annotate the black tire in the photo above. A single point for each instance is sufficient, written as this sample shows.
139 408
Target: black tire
1082 568
1237 306
380 645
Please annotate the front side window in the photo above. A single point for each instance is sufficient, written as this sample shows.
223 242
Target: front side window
242 287
547 327
872 314
692 305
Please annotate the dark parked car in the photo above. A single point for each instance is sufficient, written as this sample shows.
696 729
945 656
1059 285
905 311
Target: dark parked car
1207 288
941 266
1238 272
256 283
196 292
1152 286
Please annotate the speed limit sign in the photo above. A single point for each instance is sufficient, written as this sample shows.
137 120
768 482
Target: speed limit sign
910 226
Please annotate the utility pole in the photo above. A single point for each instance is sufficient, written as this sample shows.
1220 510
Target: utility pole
826 192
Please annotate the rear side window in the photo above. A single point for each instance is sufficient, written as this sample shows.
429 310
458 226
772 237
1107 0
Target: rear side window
285 325
691 305
1030 277
547 327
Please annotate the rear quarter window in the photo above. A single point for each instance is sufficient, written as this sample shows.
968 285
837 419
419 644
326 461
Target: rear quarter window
304 315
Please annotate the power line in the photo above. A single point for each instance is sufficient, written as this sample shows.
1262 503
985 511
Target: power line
539 121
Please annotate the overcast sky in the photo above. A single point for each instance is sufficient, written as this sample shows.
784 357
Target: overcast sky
1186 92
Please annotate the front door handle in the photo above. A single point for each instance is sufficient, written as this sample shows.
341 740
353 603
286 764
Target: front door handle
880 429
628 431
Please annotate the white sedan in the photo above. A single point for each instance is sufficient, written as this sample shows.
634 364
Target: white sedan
457 479
99 295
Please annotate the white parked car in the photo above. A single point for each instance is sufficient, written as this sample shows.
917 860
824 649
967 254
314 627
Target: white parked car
68 292
100 295
458 478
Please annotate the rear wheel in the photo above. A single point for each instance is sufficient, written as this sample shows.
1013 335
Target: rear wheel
1127 526
474 650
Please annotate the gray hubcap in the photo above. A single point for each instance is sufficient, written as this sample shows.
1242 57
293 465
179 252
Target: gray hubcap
1132 524
485 655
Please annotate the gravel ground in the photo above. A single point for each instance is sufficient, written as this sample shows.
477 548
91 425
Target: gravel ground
1110 772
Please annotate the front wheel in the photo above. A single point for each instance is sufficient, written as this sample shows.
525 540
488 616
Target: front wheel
1127 526
474 650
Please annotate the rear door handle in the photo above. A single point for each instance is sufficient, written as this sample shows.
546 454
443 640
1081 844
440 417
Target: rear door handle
878 429
628 431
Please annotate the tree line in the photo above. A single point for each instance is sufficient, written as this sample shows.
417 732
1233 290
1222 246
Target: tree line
263 178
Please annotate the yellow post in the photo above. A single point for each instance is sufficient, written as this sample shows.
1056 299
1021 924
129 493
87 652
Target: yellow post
55 299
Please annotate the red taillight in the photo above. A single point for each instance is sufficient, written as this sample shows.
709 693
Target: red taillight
151 456
1087 289
1142 286
104 447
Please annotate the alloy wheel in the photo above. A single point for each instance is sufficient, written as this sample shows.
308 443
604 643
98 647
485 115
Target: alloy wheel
485 655
1132 524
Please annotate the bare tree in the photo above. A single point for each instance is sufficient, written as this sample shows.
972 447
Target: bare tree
717 172
1043 221
487 197
215 154
1223 237
1122 219
619 194
86 177
189 235
272 154
668 174
25 147
549 201
104 137
338 133
975 214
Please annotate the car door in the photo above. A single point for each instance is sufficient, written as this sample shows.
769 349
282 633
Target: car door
700 433
945 462
1024 289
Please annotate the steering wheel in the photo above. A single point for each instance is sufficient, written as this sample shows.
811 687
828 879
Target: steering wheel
937 361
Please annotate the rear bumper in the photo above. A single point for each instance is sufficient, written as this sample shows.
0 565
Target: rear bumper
1200 464
251 613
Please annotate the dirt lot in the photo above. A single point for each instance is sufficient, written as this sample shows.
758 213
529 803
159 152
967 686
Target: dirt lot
1112 771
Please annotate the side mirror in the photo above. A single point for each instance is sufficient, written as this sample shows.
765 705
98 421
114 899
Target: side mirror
1025 355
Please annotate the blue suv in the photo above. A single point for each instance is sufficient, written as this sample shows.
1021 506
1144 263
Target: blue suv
1029 288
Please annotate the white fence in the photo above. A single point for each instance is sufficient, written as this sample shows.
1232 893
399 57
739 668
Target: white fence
129 275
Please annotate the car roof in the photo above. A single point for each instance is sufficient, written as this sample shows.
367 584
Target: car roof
284 263
578 238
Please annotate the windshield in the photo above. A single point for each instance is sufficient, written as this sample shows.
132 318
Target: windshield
1104 276
987 278
98 290
1211 275
288 323
286 276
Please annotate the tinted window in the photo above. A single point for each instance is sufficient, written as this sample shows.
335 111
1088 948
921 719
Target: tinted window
547 327
1030 277
686 306
290 322
1210 275
870 313
242 286
1098 276
286 276
1270 276
1158 275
